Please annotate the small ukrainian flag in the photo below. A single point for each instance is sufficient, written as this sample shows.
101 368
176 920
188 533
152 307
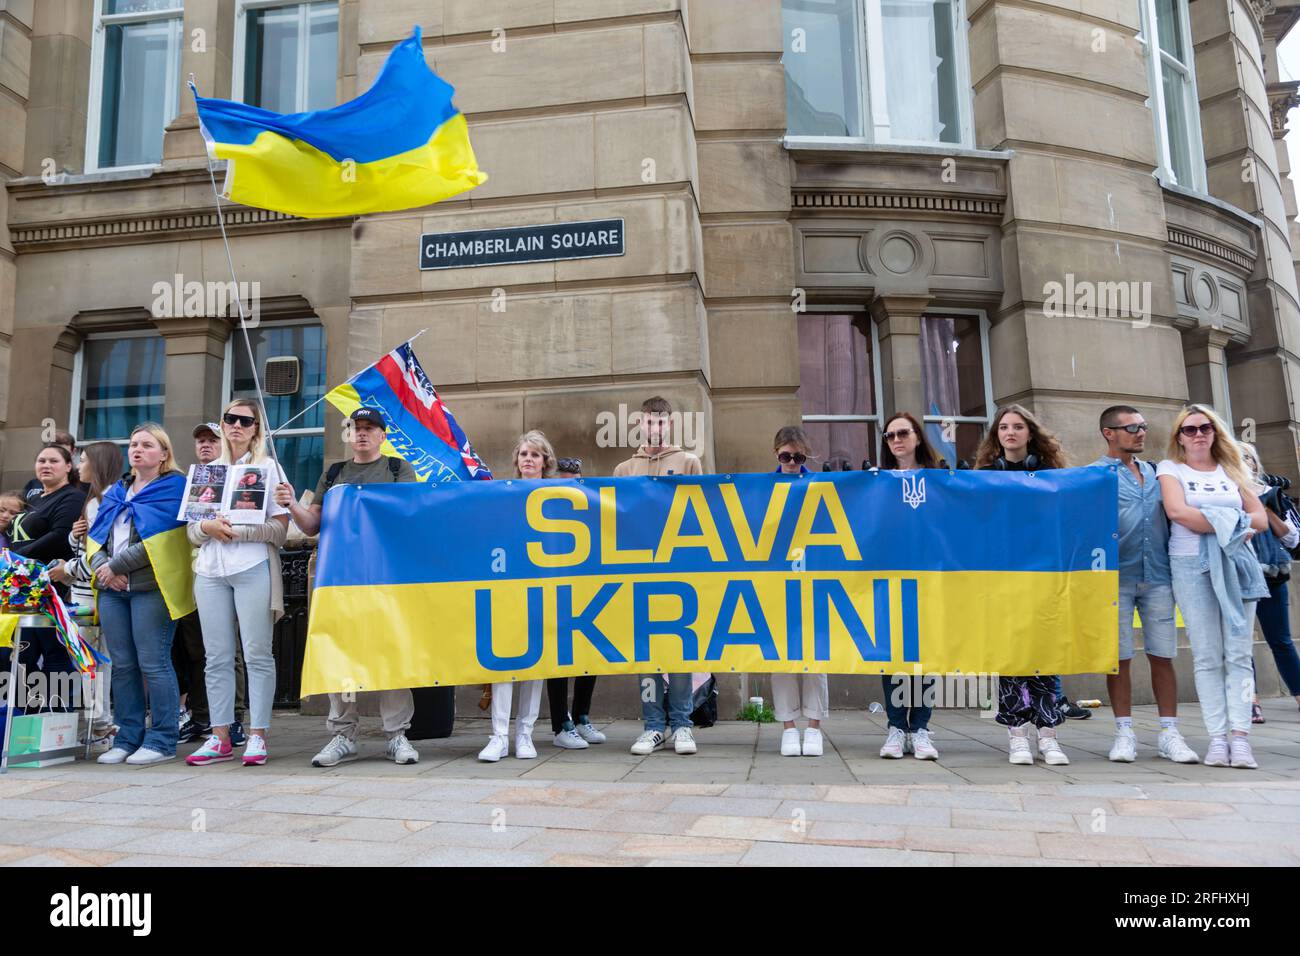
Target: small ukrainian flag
399 145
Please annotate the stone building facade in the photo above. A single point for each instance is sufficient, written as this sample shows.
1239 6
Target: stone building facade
833 209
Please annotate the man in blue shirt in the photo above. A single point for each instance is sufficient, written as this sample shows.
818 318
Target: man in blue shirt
1144 584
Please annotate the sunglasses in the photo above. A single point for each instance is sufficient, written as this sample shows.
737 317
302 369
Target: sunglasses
570 466
1191 431
786 457
900 433
1131 429
248 421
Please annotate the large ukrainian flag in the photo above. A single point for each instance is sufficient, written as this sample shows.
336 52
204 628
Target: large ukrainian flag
154 512
399 145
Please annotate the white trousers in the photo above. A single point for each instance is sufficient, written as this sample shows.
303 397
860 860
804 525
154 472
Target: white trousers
530 702
800 694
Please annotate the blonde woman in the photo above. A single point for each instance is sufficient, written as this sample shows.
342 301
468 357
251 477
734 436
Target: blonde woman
134 618
1209 497
533 458
237 581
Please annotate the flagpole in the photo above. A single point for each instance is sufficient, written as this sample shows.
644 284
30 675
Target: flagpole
285 424
239 302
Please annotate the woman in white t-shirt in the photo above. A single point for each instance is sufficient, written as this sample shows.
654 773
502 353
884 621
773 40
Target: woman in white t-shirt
237 583
1204 469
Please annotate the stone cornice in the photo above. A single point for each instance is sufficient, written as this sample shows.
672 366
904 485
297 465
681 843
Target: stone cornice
898 202
106 208
1209 247
154 227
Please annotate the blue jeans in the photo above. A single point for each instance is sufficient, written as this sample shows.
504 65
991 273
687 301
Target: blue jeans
139 633
907 714
1220 662
1273 612
680 697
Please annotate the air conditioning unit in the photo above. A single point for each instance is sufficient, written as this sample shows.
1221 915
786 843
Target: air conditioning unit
282 375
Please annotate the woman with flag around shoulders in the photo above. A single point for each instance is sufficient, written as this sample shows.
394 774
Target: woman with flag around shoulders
141 561
238 583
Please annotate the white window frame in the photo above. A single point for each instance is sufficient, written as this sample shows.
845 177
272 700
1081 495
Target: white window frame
1156 58
990 409
240 47
94 107
78 374
875 373
873 110
228 372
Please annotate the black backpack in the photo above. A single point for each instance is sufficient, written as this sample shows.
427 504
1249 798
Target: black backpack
705 701
331 476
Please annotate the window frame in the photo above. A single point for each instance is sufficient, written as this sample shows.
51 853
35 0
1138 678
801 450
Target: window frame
1149 37
873 111
240 51
876 381
984 326
94 106
228 372
76 406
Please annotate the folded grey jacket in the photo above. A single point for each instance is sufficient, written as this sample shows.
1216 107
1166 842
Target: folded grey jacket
1234 568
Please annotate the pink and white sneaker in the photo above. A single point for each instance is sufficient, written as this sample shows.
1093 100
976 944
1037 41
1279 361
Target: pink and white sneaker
255 751
214 750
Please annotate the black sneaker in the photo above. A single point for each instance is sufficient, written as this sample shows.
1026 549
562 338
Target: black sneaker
238 738
192 730
1073 711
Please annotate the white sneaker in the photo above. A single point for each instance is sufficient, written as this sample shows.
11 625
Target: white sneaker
335 752
1053 755
400 751
570 740
590 734
684 741
1173 747
790 742
497 747
894 741
114 755
812 742
1242 756
648 742
923 746
1021 752
1217 755
1125 747
146 756
524 748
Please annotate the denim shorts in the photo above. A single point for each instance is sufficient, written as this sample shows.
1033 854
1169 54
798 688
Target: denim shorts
1155 605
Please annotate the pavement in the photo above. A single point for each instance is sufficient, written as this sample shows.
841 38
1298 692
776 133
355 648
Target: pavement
735 802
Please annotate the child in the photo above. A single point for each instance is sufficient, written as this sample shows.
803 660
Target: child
11 506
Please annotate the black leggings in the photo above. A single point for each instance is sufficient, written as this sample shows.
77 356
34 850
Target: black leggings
557 693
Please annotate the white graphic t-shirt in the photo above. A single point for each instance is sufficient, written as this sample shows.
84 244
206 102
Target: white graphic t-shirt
1201 489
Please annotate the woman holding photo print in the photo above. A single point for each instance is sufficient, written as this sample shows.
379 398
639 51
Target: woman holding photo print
237 580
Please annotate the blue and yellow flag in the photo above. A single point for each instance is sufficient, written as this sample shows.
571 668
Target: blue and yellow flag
420 428
153 511
399 145
978 573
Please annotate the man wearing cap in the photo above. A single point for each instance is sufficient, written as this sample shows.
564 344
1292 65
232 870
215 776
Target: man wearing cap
368 465
188 656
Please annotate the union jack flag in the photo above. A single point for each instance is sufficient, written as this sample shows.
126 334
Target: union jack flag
421 428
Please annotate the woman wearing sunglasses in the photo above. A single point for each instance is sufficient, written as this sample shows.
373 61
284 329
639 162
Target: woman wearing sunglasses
795 695
905 449
237 584
1210 498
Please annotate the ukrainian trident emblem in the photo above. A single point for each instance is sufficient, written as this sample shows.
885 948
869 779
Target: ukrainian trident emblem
914 491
